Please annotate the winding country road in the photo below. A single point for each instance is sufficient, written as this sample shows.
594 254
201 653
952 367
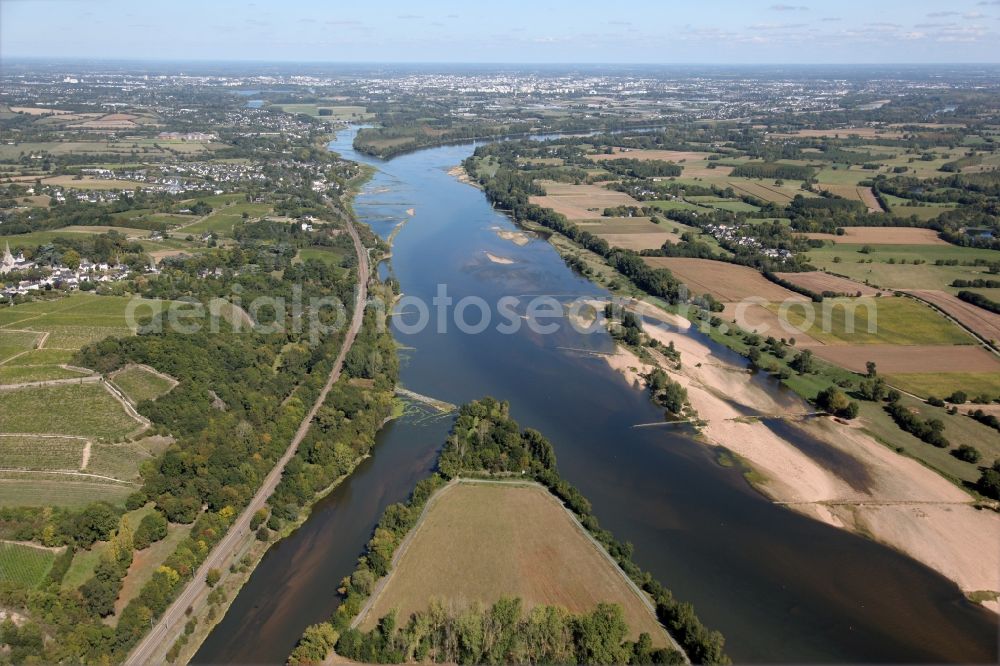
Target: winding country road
152 648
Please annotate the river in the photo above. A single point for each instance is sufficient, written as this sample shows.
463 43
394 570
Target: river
781 587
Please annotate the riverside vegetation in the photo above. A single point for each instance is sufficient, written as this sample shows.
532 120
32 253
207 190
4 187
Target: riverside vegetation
486 442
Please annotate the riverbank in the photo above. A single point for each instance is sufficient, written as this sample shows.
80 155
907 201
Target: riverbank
233 581
829 469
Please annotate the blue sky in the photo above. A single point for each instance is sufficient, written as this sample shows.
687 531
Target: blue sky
646 31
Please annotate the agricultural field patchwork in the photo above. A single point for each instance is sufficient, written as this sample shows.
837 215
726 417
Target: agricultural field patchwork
632 233
883 236
942 384
820 282
982 322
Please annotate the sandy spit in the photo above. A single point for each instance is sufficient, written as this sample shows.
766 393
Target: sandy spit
496 259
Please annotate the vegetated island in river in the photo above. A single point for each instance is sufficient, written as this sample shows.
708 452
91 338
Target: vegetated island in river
857 482
500 611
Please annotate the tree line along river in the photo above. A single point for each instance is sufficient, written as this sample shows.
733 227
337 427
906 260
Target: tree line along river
780 586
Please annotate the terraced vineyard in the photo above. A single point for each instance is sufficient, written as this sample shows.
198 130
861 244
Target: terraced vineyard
62 428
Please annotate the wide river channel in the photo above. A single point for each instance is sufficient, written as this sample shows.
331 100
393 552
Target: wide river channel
781 587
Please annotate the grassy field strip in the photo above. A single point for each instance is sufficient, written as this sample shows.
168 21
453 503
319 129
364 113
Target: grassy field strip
89 379
81 474
33 452
36 343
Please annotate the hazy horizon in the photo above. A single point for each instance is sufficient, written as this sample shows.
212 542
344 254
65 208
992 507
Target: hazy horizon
560 32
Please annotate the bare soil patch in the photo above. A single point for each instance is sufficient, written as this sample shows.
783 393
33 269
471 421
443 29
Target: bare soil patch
726 282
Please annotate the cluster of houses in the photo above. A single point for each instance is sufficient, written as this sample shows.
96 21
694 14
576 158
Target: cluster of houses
257 122
57 277
186 176
186 136
730 234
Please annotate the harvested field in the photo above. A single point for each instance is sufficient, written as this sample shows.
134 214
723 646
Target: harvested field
726 282
581 202
855 193
639 241
665 155
631 233
478 542
983 322
699 169
820 282
900 359
883 236
756 317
